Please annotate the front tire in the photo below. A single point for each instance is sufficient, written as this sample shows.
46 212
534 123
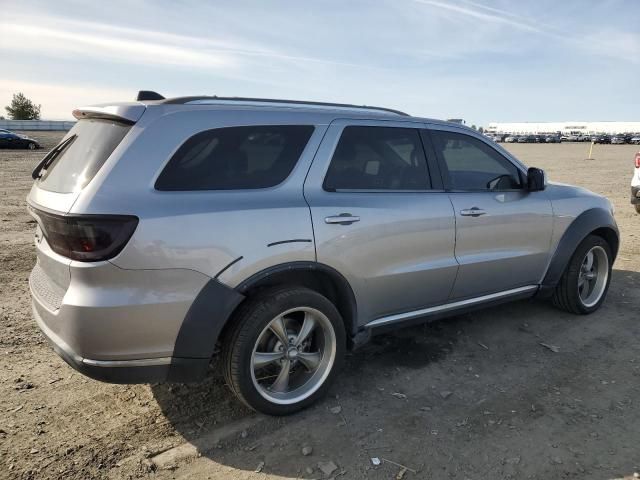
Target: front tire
31 146
584 284
284 351
637 208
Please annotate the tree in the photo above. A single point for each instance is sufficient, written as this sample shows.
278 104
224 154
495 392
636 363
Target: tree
473 126
481 130
22 108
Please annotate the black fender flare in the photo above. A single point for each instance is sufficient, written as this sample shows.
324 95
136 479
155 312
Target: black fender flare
204 320
584 224
216 302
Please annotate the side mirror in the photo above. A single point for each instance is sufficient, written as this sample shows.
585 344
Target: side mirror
536 179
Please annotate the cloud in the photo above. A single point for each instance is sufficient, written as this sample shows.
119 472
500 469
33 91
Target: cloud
58 42
498 11
138 46
614 44
604 42
488 14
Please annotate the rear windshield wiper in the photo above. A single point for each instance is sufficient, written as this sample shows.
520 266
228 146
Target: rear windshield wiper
51 156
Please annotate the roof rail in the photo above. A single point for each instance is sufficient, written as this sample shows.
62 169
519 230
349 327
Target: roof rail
185 100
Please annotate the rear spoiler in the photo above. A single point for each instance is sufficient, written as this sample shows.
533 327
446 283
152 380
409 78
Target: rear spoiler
127 114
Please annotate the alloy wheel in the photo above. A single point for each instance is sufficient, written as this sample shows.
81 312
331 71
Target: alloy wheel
593 276
293 355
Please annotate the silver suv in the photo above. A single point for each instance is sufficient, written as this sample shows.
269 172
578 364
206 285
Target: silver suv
278 234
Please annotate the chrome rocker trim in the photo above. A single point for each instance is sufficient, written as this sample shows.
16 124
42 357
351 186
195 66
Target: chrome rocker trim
449 306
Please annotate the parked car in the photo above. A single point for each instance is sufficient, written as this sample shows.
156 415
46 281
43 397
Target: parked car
553 139
9 139
635 140
635 183
511 139
527 139
603 139
281 233
618 140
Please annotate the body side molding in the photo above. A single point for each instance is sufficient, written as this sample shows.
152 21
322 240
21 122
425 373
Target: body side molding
295 240
448 307
229 265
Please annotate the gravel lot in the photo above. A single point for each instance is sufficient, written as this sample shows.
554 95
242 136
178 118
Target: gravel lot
472 397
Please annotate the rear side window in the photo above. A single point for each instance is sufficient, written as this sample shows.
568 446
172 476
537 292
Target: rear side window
473 165
235 158
91 142
378 158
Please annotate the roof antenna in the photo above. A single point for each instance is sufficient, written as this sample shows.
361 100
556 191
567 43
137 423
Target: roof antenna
148 95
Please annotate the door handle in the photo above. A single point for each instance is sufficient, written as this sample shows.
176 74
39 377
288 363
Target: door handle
342 219
472 212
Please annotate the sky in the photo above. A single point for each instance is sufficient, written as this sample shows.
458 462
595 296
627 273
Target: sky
485 60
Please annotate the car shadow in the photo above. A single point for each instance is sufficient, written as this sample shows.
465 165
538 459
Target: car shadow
372 388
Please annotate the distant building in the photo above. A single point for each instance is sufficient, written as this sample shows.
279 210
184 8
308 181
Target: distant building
563 128
51 125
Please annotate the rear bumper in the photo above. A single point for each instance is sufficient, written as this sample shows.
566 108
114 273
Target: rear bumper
132 326
149 370
635 195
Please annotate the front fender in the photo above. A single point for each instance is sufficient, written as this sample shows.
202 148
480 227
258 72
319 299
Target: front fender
584 224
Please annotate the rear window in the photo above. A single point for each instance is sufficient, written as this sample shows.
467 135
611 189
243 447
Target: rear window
235 158
378 158
80 160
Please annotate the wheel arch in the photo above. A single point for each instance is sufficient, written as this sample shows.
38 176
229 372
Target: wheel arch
611 236
595 221
211 314
315 276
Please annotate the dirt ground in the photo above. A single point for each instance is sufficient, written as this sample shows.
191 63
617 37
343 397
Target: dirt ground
472 397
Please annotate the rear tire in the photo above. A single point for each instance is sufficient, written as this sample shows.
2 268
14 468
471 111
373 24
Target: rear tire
584 284
31 146
284 351
637 208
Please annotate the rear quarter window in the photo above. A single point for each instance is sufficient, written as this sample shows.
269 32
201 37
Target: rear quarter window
75 166
234 158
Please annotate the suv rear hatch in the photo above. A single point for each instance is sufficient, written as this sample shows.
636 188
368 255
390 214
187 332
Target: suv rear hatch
72 164
59 179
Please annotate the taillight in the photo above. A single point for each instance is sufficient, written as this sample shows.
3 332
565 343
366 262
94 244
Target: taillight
86 238
638 160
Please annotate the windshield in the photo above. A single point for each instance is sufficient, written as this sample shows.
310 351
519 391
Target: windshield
75 166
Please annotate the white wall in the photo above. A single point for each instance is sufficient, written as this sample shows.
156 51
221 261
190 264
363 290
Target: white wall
36 125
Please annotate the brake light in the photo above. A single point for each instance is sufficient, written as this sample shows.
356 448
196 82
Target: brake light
637 160
86 238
